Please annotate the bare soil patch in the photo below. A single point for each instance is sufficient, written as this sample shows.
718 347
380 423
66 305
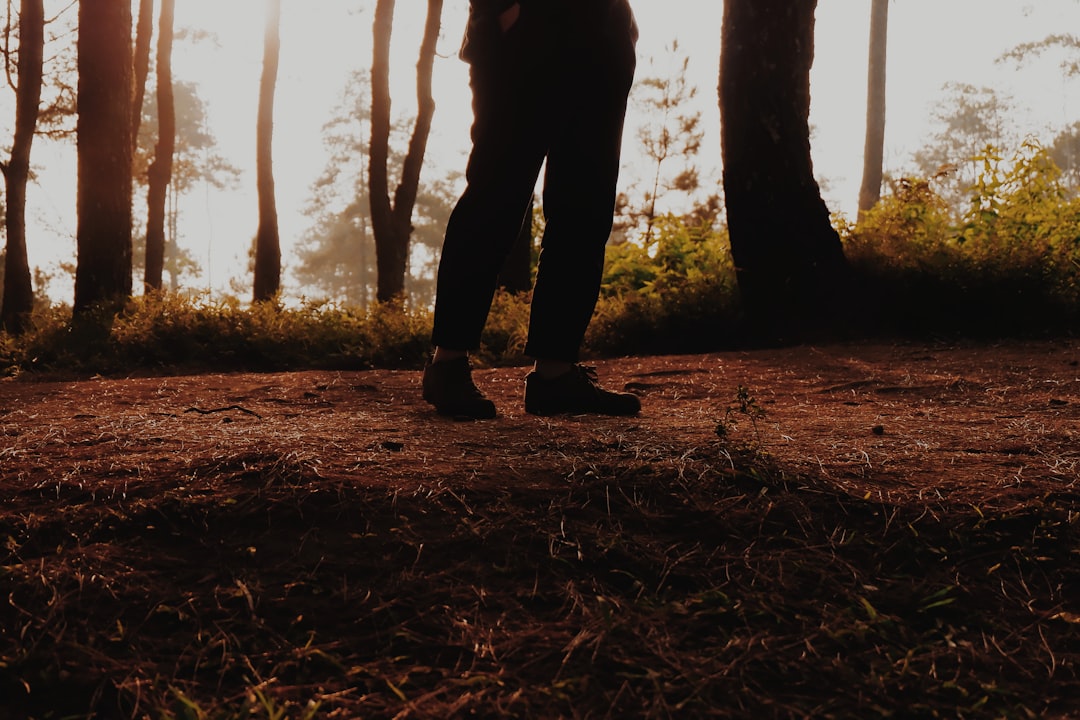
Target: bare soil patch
879 528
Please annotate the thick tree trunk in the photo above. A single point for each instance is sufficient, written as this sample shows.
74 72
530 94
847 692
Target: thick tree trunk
788 256
103 236
268 241
392 222
874 151
144 31
18 299
160 173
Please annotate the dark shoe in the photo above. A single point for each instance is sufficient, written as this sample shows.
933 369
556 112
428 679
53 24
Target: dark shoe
448 385
575 392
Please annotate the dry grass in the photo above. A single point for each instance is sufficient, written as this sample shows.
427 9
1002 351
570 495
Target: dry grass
311 546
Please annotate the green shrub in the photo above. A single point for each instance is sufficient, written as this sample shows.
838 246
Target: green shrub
674 294
1009 263
507 330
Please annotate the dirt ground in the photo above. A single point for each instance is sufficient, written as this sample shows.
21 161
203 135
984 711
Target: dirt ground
978 424
193 541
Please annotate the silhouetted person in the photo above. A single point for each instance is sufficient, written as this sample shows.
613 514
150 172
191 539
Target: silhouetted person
550 80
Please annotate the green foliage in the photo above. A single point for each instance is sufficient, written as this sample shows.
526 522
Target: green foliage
968 119
507 329
673 293
1006 263
1010 263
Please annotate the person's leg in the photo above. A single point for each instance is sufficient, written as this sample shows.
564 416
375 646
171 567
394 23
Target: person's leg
508 151
579 202
579 195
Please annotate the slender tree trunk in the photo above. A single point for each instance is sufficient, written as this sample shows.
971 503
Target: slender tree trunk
391 281
103 236
268 240
788 257
144 32
392 222
874 151
160 173
18 300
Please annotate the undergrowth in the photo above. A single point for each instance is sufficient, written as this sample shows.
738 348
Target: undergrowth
1006 265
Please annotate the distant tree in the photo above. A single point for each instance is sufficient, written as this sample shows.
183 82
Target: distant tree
1065 152
18 298
336 257
1065 147
56 107
672 134
874 148
1067 42
196 160
103 236
268 240
337 254
969 119
160 172
790 264
144 31
392 222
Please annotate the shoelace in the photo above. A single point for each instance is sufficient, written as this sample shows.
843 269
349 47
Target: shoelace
589 373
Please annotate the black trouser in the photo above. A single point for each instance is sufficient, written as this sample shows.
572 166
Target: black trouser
554 88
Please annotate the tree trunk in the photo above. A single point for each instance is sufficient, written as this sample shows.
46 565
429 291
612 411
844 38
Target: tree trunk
268 240
392 222
18 300
103 235
160 172
143 36
874 152
788 257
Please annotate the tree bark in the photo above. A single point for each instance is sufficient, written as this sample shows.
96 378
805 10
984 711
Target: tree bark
144 31
788 257
160 173
267 240
103 235
874 150
392 222
18 299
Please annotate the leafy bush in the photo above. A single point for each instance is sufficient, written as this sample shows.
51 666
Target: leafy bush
177 332
1008 264
507 329
676 293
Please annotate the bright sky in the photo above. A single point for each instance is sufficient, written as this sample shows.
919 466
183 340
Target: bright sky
931 42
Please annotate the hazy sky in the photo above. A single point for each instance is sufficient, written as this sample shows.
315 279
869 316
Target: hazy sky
931 42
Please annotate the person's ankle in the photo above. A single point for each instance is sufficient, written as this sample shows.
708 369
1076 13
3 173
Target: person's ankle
549 369
442 354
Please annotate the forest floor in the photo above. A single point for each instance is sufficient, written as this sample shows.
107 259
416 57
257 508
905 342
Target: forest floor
853 530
